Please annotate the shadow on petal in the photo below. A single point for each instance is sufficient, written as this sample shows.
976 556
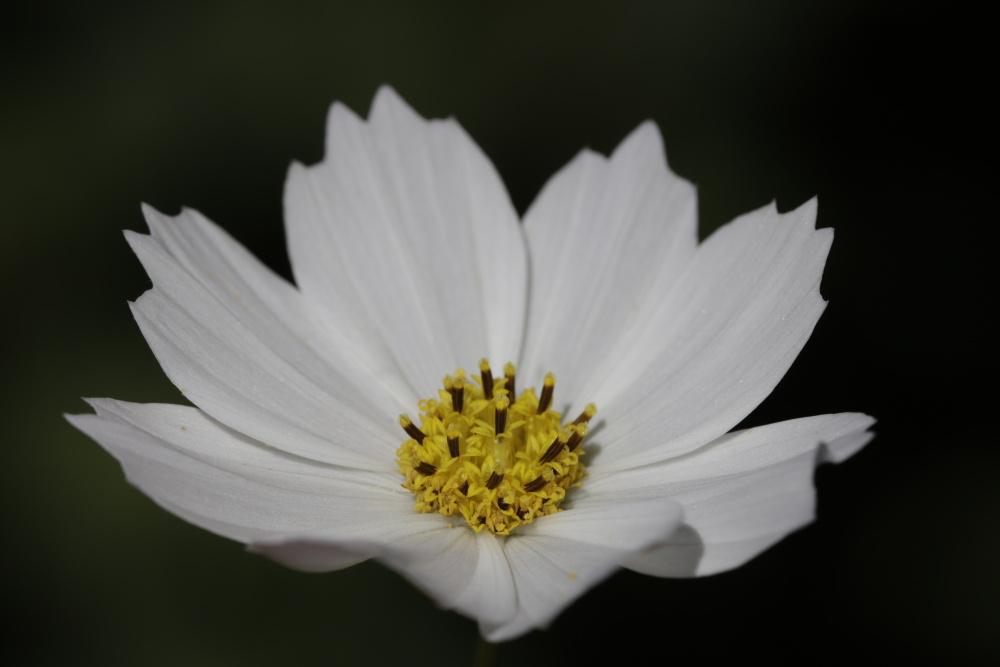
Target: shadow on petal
677 557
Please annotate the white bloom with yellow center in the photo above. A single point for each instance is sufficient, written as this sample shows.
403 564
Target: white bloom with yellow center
411 265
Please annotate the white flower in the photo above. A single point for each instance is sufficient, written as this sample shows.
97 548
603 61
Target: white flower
409 263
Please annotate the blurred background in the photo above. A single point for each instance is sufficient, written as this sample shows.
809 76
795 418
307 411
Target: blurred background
874 106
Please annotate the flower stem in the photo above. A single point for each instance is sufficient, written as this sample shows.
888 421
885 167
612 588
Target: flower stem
486 652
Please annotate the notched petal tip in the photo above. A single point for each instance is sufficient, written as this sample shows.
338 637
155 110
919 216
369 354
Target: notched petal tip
95 403
646 137
643 152
156 219
74 417
340 118
804 214
386 98
135 239
842 447
148 210
295 167
808 209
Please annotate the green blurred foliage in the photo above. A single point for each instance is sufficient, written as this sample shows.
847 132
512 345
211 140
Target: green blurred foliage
205 104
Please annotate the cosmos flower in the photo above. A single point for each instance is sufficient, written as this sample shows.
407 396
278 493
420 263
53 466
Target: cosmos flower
335 420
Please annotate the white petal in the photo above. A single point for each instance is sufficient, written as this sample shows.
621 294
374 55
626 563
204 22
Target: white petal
741 493
406 231
559 557
458 568
605 237
231 485
717 343
256 370
327 549
490 598
271 307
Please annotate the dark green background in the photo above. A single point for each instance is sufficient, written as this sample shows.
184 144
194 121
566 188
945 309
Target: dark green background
876 107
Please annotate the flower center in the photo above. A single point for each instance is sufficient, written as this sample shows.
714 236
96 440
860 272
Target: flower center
482 452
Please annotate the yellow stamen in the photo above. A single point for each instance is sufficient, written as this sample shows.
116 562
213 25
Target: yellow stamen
411 428
500 418
587 414
497 459
487 377
458 394
508 373
547 388
452 435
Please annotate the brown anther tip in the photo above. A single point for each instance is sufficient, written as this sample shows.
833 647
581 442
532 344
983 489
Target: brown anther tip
553 451
494 481
487 376
536 484
509 373
587 414
457 391
577 437
426 468
411 428
547 388
452 436
500 421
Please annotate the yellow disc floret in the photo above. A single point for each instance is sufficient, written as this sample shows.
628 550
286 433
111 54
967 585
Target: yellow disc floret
497 459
